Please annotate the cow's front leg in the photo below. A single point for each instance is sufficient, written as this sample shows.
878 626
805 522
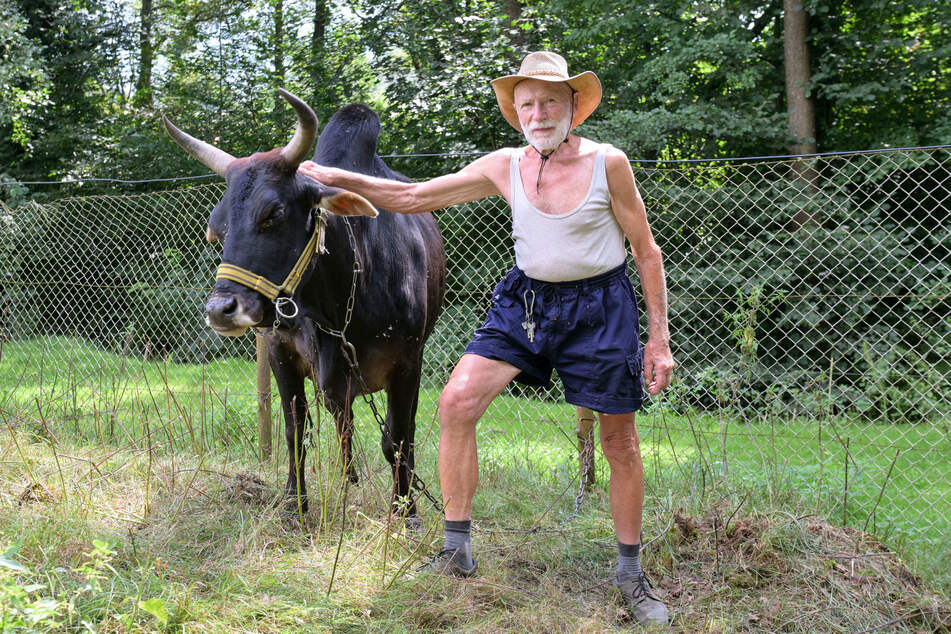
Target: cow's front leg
290 384
342 410
295 422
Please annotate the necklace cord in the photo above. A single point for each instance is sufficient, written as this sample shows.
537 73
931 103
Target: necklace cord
545 157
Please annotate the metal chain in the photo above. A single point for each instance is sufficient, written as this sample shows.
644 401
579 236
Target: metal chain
587 463
349 353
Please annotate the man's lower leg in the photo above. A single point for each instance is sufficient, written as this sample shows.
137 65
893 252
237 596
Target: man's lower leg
621 448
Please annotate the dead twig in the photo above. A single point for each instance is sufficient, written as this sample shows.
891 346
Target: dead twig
904 618
884 484
726 526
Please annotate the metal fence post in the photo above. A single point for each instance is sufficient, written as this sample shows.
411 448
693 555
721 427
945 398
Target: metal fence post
264 399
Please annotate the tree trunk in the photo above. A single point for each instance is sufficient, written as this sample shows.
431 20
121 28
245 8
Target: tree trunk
802 118
318 71
143 84
513 10
279 77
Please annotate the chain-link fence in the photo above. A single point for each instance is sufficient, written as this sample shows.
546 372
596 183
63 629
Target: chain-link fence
809 312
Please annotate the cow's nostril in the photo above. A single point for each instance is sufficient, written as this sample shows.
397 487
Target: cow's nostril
219 307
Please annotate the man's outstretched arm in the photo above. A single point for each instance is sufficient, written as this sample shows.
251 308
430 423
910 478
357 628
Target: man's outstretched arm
476 180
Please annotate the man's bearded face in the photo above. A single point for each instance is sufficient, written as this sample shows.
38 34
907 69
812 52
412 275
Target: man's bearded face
545 136
544 110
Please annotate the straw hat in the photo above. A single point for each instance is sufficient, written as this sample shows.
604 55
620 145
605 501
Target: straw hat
548 67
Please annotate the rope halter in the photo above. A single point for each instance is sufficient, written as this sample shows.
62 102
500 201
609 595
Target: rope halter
284 306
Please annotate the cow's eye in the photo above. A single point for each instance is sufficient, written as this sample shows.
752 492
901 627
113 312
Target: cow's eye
271 216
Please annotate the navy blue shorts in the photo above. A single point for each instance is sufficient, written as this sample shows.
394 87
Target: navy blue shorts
587 330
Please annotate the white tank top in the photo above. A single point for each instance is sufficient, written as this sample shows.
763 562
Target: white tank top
584 242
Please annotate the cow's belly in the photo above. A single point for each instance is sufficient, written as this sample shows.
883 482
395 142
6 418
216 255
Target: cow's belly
378 362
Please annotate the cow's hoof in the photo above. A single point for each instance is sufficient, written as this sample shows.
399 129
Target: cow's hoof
293 522
413 524
292 506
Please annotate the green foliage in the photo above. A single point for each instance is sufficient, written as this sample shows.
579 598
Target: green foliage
21 603
881 72
435 60
842 316
681 79
23 79
63 94
14 193
67 598
750 306
156 607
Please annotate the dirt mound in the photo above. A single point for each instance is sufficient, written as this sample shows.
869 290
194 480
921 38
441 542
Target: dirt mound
791 574
250 489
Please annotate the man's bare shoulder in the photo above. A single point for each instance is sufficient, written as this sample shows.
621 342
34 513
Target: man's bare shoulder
615 155
491 162
587 146
493 167
615 160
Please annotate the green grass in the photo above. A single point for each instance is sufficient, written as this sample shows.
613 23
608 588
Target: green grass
131 530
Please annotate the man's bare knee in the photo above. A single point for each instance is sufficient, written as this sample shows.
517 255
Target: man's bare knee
457 405
621 446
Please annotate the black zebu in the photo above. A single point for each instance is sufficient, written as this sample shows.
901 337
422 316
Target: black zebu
380 280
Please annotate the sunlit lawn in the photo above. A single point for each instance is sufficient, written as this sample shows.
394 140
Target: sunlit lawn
69 388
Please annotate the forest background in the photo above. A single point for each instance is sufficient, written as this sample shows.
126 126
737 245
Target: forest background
83 83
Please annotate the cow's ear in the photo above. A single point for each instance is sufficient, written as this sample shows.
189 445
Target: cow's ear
345 203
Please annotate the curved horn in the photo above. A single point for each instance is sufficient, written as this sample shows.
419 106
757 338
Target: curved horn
298 150
213 158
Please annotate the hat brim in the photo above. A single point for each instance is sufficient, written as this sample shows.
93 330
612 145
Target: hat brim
586 84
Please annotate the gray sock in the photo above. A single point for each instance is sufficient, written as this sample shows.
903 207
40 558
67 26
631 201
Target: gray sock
628 561
459 538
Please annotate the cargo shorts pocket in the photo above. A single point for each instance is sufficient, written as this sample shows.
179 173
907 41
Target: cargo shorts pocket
635 364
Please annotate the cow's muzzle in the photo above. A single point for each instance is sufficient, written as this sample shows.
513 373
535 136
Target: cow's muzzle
228 315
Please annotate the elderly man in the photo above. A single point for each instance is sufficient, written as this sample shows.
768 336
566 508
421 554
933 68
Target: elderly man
567 304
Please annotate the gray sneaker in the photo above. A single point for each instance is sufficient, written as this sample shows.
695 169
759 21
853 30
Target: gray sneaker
645 606
450 563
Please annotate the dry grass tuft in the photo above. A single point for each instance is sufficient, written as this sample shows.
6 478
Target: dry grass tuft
250 489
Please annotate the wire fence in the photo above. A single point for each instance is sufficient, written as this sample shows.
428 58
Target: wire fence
809 312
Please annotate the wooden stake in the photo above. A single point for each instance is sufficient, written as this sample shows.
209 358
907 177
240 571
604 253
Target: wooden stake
586 436
264 399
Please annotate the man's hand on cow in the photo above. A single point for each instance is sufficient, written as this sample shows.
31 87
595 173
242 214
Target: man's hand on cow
319 173
658 365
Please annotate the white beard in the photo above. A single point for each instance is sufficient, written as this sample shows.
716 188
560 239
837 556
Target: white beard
551 141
